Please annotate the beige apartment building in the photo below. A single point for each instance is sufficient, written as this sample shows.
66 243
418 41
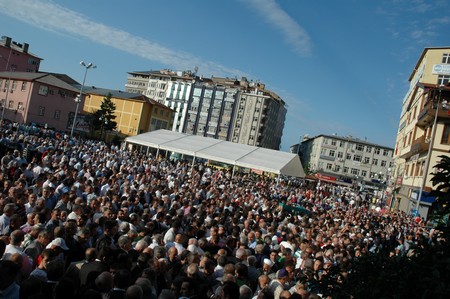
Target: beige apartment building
424 131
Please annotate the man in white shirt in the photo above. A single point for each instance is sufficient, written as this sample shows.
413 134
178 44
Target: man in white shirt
8 211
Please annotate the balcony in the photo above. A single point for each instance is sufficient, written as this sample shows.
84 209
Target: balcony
426 116
329 158
419 146
405 152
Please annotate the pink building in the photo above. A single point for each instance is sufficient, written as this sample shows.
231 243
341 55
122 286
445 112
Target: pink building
45 99
14 56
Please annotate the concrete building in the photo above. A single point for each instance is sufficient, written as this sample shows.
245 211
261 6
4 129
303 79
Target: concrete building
228 109
155 84
347 161
236 110
135 113
42 98
424 130
15 57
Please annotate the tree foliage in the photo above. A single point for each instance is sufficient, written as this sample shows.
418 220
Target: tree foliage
104 118
441 183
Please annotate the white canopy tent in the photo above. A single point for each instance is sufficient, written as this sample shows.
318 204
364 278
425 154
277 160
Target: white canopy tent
235 154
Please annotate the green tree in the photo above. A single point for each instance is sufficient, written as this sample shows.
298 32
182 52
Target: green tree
441 183
104 118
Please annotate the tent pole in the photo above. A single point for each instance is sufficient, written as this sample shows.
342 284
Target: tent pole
278 180
232 174
193 162
157 154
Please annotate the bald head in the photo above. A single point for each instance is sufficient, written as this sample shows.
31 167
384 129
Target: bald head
104 282
134 292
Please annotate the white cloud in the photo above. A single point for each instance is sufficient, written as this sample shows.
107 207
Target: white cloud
55 18
293 33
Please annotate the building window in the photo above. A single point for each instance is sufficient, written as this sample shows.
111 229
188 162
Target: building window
377 151
354 171
363 173
329 166
349 156
359 147
366 160
443 79
24 86
341 143
11 104
446 134
333 142
14 85
20 106
345 169
41 111
340 155
385 152
368 149
375 162
446 58
383 163
357 158
43 90
57 114
332 153
156 110
337 168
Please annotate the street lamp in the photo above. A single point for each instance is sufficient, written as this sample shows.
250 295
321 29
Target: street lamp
78 98
430 145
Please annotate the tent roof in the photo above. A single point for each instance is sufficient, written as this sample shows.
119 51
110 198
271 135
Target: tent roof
222 151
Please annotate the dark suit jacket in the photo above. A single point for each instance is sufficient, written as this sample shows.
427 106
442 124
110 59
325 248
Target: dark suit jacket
116 294
90 271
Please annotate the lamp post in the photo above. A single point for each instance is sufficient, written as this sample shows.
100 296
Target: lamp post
430 145
78 99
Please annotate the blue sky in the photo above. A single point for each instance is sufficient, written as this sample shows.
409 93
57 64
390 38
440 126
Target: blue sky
341 66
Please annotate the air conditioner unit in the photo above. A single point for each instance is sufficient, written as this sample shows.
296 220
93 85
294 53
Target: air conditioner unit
341 160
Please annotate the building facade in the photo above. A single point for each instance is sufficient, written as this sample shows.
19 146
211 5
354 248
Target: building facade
135 113
156 84
424 130
236 110
15 57
41 98
228 109
347 161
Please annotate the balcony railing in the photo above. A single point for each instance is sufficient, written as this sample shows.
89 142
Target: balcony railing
420 145
427 114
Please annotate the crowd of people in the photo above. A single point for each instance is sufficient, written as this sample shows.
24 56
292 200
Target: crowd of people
84 219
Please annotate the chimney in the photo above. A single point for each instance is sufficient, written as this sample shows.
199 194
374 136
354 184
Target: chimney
7 41
25 47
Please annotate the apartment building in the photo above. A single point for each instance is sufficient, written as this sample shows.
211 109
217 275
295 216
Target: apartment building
347 161
424 130
44 99
229 109
135 113
15 57
156 84
236 110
